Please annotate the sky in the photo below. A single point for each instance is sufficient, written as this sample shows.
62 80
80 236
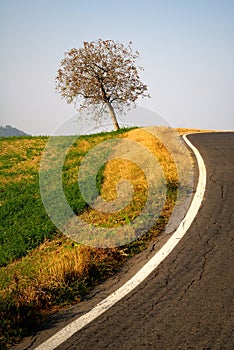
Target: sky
186 49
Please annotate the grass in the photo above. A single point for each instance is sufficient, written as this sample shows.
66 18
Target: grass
42 270
25 223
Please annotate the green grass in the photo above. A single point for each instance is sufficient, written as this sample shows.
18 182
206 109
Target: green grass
24 222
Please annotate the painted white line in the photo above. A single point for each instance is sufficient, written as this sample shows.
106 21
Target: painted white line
65 333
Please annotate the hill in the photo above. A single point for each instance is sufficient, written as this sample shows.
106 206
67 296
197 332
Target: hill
6 131
42 270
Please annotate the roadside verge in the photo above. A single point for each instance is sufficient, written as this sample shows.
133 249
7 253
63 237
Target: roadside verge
76 325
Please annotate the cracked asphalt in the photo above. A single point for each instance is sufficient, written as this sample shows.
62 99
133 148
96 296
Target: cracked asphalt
187 302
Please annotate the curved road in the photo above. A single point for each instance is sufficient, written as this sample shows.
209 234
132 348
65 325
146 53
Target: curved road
187 302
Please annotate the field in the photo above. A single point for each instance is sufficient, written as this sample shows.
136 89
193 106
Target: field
41 269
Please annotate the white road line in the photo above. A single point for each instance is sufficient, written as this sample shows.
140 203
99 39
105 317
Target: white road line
66 332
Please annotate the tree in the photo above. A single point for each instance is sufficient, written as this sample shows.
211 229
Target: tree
101 74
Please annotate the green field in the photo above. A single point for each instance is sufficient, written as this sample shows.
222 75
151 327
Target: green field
24 222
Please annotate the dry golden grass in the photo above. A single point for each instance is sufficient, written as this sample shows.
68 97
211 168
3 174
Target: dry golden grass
177 165
50 268
56 274
183 131
122 169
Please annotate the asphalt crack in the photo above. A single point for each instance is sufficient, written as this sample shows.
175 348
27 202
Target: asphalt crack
211 178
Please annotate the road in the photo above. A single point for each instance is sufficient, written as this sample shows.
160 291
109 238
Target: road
187 302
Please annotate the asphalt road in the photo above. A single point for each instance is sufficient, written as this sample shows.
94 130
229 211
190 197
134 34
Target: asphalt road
187 302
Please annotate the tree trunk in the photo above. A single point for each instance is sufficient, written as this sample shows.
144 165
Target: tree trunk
113 115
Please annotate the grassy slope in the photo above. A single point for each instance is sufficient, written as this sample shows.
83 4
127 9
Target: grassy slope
28 283
52 271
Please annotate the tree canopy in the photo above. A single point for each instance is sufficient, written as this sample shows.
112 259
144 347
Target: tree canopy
103 75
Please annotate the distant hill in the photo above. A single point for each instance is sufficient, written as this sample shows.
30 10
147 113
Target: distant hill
6 131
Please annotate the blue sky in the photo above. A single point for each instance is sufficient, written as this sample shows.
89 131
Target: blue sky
186 48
